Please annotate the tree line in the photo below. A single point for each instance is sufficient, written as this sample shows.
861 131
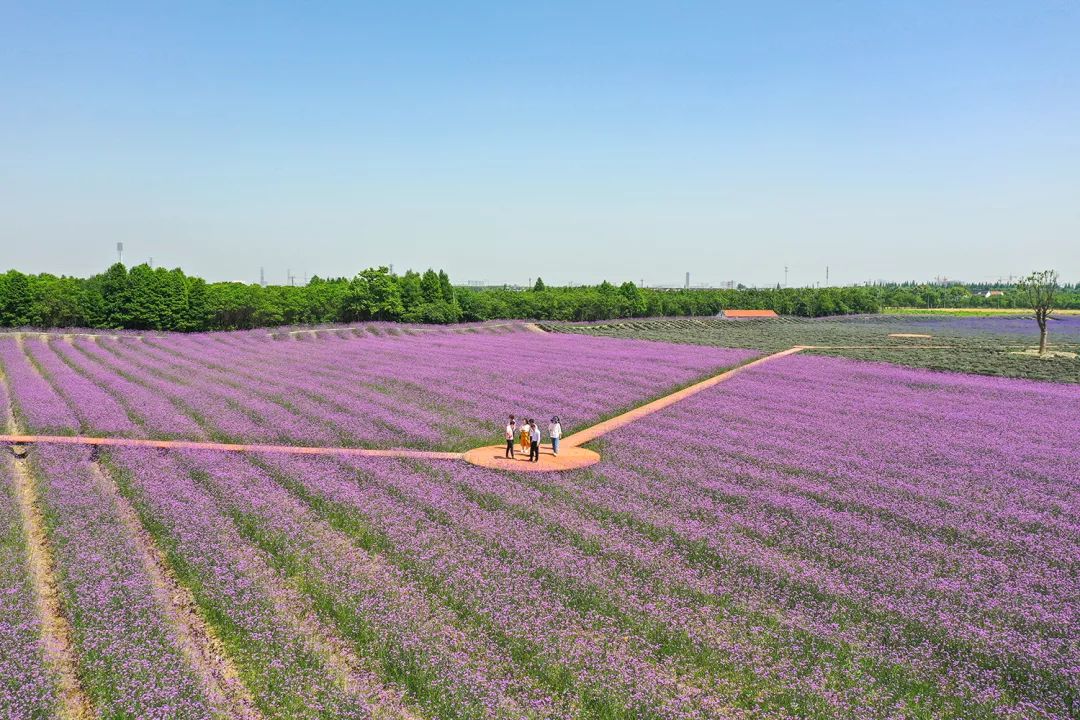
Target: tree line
145 298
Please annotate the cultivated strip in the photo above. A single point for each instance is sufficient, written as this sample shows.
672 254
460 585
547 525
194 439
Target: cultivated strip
200 644
34 402
452 672
226 447
263 622
55 628
128 657
27 686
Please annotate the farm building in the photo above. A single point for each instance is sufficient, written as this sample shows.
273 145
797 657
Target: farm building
734 314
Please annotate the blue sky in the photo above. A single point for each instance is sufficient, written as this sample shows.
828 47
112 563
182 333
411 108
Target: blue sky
576 141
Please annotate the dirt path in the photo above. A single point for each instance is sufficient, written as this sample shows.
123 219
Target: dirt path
488 456
18 439
55 629
619 421
200 645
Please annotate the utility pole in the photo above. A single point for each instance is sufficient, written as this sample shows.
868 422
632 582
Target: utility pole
688 280
120 253
826 276
262 276
151 262
785 276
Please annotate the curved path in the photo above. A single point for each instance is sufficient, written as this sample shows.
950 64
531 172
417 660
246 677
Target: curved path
591 433
571 456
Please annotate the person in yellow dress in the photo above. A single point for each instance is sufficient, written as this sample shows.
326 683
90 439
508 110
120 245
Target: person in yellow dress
524 437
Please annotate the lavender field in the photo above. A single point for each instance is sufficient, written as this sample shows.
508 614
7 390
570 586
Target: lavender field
815 538
446 390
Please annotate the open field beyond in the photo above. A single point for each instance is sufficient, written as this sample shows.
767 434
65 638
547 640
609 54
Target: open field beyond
982 312
973 344
815 537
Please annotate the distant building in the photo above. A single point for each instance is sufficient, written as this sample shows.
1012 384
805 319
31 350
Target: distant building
994 293
731 314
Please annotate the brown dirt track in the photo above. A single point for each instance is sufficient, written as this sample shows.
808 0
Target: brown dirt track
571 455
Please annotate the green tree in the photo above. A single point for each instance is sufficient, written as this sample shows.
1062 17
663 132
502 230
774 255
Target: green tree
198 315
430 288
373 294
445 287
539 286
57 302
116 297
157 299
1041 289
411 293
16 299
322 300
635 301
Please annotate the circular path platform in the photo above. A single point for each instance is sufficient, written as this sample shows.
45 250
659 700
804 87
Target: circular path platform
569 458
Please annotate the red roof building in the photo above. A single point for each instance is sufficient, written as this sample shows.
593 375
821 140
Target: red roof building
749 313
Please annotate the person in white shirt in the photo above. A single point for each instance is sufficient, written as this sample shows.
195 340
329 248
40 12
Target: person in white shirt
511 433
534 445
555 433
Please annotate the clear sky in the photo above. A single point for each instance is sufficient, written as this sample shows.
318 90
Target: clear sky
572 140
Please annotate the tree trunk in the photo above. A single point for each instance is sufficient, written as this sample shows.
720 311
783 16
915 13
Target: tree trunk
1042 340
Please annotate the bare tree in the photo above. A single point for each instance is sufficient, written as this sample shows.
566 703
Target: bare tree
1040 288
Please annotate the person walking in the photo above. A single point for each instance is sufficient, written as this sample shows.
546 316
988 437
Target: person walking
534 441
525 436
511 432
555 433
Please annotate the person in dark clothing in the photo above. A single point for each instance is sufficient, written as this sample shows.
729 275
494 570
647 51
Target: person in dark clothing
534 445
511 433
